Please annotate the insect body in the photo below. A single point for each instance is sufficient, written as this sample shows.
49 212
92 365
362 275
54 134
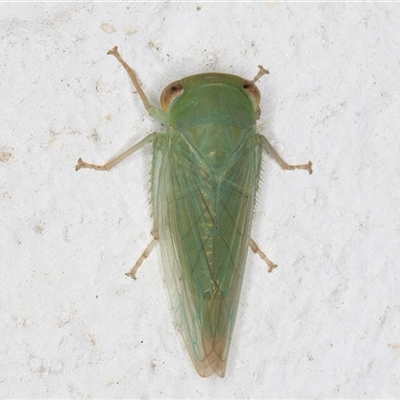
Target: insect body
205 173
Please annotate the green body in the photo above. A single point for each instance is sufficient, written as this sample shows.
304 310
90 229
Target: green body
205 175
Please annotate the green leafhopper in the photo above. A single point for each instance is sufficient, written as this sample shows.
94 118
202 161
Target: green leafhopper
205 174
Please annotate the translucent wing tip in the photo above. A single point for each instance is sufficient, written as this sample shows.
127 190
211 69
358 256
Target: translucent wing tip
215 358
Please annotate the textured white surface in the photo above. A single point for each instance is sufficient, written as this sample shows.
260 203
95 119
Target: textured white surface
324 324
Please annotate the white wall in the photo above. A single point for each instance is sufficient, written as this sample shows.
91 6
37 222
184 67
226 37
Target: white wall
324 324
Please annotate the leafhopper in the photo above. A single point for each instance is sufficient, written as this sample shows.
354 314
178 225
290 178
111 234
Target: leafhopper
205 174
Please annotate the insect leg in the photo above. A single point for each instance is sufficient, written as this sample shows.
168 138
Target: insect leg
153 111
145 254
261 72
117 160
268 147
254 247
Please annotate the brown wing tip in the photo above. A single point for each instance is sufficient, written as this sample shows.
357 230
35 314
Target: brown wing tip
217 369
216 352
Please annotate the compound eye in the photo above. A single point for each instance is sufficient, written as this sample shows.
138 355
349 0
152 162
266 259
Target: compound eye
252 89
170 93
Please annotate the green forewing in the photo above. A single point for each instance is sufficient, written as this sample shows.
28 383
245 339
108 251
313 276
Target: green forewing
205 175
